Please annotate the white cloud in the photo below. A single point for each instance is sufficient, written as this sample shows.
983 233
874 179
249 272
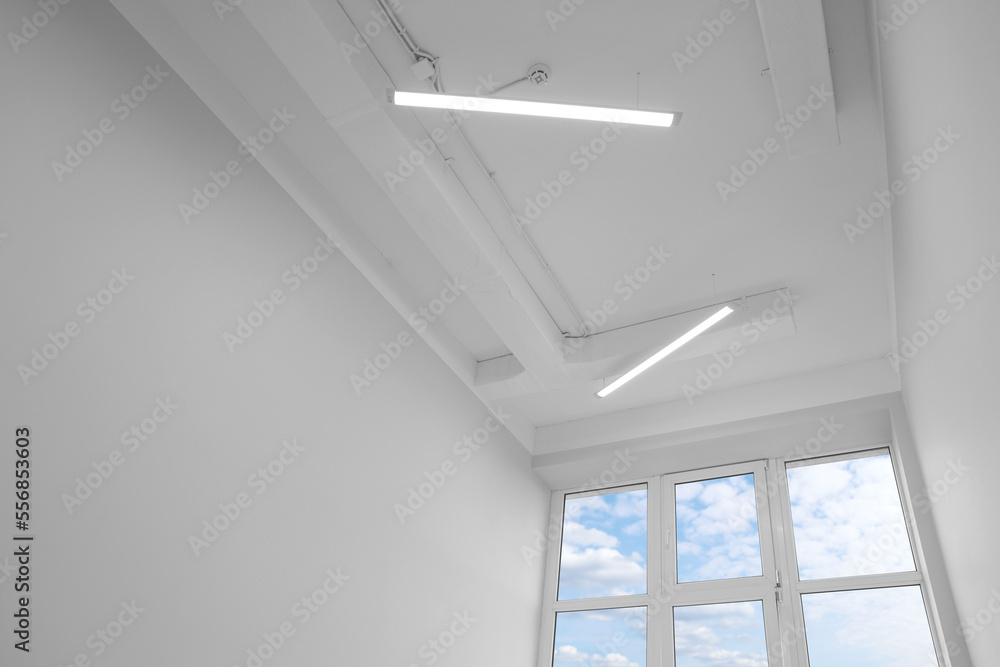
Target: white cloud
847 519
629 504
693 634
635 529
568 653
612 660
688 548
577 534
595 527
602 571
689 491
576 507
720 635
886 627
717 530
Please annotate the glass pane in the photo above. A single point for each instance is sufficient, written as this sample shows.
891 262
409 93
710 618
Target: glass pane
884 627
847 519
720 635
603 546
601 638
717 535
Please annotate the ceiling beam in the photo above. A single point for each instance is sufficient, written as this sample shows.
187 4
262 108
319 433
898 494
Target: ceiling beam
758 318
472 239
242 111
799 60
772 397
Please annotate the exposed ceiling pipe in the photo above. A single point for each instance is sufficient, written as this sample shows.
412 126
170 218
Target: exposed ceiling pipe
415 52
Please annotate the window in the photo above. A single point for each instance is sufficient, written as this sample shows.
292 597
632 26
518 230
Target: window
858 588
763 564
603 572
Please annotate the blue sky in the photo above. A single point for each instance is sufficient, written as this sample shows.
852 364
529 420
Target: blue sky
603 554
717 530
605 638
604 546
884 627
720 635
847 521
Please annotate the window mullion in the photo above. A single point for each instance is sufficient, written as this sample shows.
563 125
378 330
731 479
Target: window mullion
552 541
791 645
655 554
666 589
589 604
861 582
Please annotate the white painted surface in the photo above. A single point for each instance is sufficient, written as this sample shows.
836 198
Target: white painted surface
162 336
939 71
646 192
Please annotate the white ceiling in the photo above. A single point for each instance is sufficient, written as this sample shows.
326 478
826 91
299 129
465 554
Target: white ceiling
652 187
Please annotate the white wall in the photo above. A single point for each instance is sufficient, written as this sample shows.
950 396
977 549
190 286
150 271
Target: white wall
939 70
162 336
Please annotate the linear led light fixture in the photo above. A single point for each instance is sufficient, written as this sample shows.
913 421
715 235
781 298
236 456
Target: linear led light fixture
528 108
665 351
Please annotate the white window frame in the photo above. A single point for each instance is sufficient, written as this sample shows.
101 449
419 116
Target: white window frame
779 588
654 558
795 654
743 589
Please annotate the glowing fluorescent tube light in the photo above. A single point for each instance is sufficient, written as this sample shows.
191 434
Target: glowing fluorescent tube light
665 351
526 108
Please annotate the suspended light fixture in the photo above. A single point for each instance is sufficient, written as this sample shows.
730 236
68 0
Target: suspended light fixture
539 75
665 351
